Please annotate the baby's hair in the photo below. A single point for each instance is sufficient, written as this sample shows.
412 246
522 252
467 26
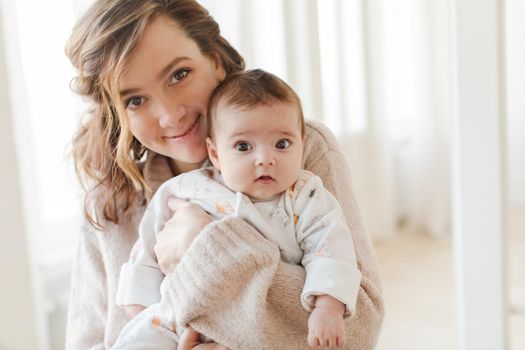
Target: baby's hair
249 89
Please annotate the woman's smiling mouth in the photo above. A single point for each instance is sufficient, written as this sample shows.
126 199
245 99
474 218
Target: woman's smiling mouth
187 133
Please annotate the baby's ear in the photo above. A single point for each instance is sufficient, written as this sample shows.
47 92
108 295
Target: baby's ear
212 153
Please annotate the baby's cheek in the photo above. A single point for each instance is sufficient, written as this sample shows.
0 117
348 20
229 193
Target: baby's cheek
232 179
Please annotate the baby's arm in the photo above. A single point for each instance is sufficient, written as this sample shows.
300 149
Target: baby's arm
332 277
329 255
325 324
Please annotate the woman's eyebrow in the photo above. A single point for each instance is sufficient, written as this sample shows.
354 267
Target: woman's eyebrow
159 76
127 92
170 65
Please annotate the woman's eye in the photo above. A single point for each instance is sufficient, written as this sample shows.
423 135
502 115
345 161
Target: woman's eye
134 102
243 146
178 76
283 144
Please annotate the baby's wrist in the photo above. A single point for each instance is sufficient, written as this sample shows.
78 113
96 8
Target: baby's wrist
330 303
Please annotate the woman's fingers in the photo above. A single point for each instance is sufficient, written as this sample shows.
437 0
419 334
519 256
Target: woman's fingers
189 339
210 346
187 221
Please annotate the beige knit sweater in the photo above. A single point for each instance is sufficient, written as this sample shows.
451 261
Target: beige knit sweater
231 285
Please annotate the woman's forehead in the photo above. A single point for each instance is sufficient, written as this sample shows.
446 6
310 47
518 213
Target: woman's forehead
162 46
162 40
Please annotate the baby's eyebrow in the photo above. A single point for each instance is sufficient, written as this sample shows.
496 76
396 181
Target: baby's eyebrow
288 133
239 133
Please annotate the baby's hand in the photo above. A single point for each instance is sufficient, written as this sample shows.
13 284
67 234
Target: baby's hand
325 324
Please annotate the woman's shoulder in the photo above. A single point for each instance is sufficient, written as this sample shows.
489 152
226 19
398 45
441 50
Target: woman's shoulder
319 141
128 214
128 208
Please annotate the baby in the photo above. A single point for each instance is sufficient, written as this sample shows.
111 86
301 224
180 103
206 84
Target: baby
255 146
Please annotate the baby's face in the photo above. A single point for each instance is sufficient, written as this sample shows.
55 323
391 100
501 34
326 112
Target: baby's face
257 149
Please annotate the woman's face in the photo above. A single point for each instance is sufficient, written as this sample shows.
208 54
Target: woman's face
165 89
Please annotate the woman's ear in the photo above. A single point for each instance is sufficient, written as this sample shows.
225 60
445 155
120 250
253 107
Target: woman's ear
219 67
212 153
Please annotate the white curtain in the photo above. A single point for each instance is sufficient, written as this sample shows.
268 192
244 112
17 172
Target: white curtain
418 108
377 72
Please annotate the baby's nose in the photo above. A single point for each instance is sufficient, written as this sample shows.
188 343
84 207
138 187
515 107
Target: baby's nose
265 157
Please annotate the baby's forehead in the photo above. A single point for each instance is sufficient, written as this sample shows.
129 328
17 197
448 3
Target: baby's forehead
289 110
261 118
225 103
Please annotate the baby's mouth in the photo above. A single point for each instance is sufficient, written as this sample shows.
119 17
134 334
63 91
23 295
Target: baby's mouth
265 179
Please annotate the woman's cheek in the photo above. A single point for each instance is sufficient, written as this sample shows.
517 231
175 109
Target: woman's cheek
140 128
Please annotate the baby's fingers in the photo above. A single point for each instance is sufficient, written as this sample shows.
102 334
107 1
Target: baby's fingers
313 341
329 341
341 341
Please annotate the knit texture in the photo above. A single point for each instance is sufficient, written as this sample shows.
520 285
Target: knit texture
227 266
231 284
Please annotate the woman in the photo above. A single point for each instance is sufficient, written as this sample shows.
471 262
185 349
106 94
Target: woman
149 67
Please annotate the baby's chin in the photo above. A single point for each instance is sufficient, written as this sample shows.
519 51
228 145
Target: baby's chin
260 196
265 198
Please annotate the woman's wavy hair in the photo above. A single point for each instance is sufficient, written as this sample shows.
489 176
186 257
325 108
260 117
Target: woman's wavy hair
105 152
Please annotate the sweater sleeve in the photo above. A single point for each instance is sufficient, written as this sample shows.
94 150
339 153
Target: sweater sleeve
233 287
87 308
364 327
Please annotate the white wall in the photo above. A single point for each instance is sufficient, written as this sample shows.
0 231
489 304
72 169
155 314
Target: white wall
516 100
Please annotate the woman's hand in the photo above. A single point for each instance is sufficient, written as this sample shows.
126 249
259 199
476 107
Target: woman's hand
173 240
190 341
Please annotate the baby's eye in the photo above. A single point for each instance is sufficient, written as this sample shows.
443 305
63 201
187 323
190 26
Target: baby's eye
134 102
283 144
179 75
243 146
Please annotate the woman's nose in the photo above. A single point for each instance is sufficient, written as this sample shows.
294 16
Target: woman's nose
265 157
170 113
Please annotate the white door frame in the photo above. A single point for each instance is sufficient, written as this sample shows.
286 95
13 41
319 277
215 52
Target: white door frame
478 173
